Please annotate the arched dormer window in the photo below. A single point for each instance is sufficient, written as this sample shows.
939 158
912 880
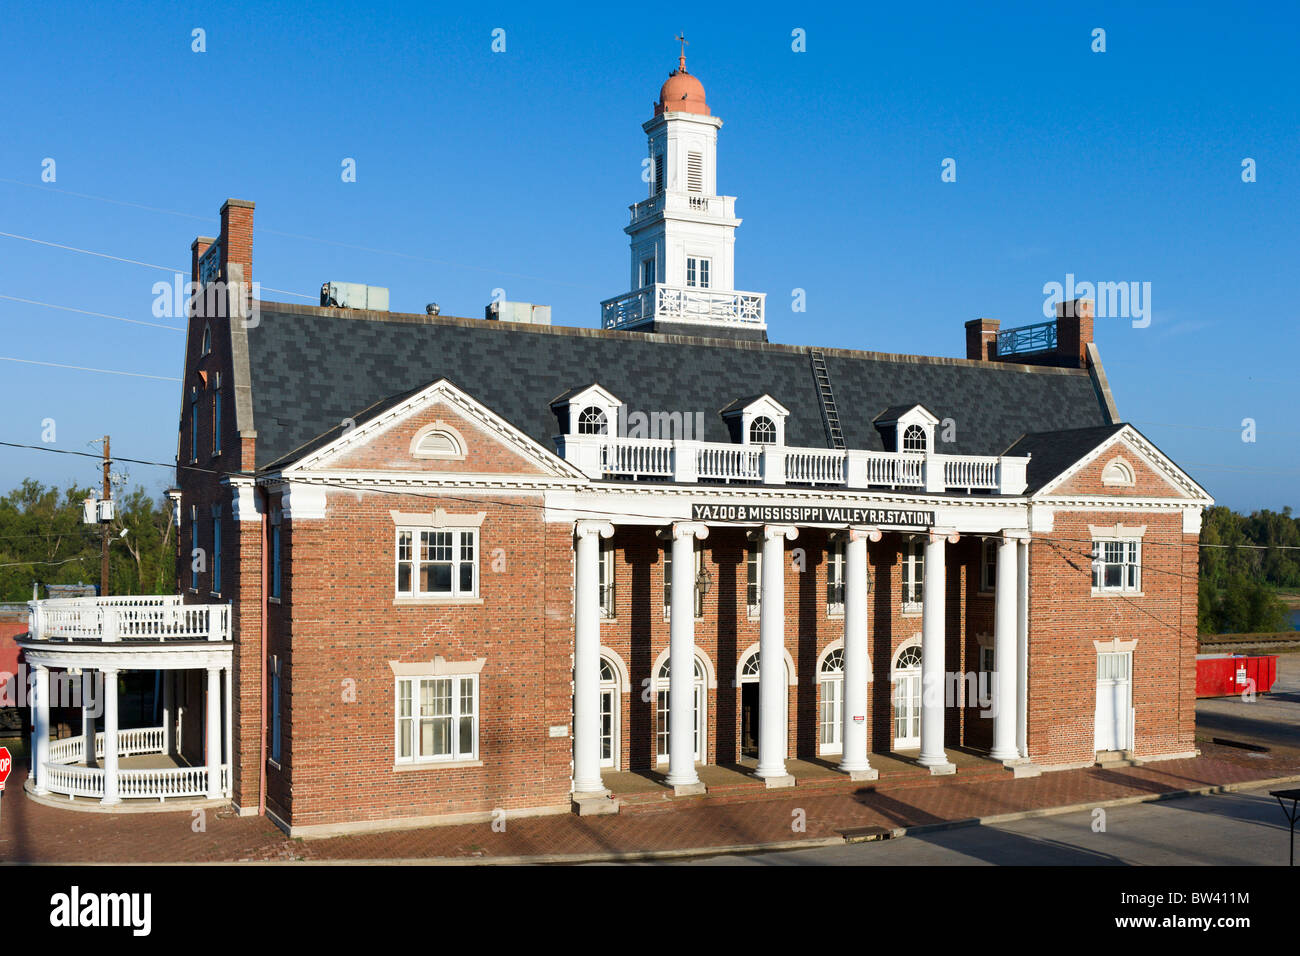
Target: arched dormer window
762 431
914 438
592 421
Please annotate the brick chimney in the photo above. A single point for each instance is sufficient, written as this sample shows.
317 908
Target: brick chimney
982 339
237 238
1073 332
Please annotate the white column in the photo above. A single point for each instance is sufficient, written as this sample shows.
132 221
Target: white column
773 688
213 727
933 638
110 736
229 753
1004 653
586 656
169 712
40 726
681 658
854 759
87 718
1022 647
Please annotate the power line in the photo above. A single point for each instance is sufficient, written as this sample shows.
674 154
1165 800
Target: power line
101 315
83 368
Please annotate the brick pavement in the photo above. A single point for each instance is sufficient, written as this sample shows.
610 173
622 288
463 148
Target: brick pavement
31 832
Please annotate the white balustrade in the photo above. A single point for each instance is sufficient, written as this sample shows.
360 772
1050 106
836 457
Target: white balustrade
815 467
969 472
139 618
637 458
683 304
718 462
65 775
74 781
163 783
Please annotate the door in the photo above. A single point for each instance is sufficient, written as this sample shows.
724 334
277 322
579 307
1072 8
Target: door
608 701
749 719
1111 726
907 699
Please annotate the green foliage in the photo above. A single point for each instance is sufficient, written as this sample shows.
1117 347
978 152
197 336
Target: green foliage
1238 583
42 539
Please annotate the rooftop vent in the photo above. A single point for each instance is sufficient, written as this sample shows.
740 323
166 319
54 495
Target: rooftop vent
524 312
354 295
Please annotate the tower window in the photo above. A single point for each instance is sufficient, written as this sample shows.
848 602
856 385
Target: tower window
697 272
647 272
695 172
659 173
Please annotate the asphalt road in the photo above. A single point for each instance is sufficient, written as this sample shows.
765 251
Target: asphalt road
1245 828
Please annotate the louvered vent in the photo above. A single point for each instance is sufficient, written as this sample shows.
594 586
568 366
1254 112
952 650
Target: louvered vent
695 172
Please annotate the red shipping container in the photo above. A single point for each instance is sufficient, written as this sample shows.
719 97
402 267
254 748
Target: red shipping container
1224 675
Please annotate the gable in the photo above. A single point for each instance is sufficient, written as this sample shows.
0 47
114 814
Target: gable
1123 467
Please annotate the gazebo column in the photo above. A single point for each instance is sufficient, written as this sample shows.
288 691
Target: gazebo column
109 676
40 726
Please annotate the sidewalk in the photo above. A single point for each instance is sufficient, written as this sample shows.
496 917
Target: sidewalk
33 833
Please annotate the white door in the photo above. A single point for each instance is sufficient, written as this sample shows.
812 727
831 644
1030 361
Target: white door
610 698
907 699
661 714
1114 692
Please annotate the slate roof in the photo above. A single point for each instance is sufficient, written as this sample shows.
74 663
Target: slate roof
310 368
1053 452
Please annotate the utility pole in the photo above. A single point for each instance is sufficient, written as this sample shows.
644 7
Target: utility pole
104 526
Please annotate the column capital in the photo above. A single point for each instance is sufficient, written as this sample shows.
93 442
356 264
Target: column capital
1015 534
773 531
864 531
585 527
108 671
688 529
944 534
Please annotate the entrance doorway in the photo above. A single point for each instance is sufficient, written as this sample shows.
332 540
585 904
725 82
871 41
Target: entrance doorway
1112 726
749 719
907 698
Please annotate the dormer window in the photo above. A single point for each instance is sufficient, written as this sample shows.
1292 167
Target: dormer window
762 431
588 410
757 420
907 428
914 438
592 421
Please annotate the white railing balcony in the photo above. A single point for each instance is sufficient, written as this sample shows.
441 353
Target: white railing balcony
127 619
687 304
65 771
687 461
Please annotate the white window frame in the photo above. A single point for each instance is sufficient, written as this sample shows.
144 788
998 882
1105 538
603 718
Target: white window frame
835 568
455 714
663 714
416 558
1130 565
607 581
753 580
912 577
830 698
589 416
699 272
908 434
988 565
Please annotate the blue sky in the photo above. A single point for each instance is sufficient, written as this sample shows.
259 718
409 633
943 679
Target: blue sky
478 170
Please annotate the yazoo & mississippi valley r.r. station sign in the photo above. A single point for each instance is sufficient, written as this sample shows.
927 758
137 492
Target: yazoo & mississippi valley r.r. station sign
813 514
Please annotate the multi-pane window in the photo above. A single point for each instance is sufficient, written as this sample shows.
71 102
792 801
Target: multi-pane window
830 716
835 578
277 516
989 565
914 438
437 563
647 272
217 395
662 711
592 421
437 718
194 547
1117 565
606 580
697 272
913 577
762 431
216 549
668 581
753 578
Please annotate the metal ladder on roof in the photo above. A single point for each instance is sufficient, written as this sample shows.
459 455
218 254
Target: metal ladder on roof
830 414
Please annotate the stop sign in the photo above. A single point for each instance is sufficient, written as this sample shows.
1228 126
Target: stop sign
6 764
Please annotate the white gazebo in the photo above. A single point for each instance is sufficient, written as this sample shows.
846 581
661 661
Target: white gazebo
76 644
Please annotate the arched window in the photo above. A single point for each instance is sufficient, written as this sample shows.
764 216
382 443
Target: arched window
762 431
1118 472
592 421
750 668
908 657
830 710
914 438
207 340
439 441
661 711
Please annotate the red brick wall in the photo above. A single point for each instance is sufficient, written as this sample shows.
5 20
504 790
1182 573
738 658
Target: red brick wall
1148 483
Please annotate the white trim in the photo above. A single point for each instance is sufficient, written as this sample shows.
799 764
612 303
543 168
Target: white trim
438 518
1115 646
710 675
455 757
1117 532
1131 439
624 675
748 652
1119 472
438 667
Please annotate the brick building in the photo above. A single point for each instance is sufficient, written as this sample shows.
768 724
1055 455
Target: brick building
505 564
